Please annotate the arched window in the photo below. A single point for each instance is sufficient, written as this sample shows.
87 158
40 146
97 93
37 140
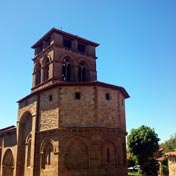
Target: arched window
46 69
38 74
67 71
47 155
83 72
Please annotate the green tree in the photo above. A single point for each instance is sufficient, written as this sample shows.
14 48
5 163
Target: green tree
169 145
143 143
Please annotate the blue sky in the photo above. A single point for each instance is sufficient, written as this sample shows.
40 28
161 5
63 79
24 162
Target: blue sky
137 51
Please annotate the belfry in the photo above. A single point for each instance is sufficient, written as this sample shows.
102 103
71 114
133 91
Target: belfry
70 124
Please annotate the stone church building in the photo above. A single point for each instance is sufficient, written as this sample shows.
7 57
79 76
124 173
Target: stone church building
70 124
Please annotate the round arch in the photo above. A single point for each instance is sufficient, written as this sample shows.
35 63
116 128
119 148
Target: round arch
70 57
47 150
77 148
23 150
68 68
45 142
8 163
45 62
81 61
83 71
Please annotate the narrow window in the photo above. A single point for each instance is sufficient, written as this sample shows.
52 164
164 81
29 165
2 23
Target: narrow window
77 96
50 98
38 74
64 71
108 156
67 70
46 69
29 154
107 96
83 73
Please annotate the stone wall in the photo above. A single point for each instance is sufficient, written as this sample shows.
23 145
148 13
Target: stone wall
49 109
8 153
83 151
80 131
97 107
171 163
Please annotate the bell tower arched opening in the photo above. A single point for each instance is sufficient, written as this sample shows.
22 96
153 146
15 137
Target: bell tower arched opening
63 64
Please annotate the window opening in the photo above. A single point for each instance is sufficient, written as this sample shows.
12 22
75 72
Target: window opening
108 156
107 96
83 73
67 43
47 41
50 98
46 69
39 49
29 154
81 48
47 156
38 74
66 70
77 96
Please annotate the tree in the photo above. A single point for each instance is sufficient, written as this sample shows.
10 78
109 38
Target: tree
143 143
169 145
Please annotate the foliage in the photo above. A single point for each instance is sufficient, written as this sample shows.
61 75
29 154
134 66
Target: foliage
169 145
135 174
132 161
143 143
164 168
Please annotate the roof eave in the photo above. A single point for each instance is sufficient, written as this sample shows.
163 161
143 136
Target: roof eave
52 30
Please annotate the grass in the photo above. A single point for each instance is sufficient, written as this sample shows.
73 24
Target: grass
134 174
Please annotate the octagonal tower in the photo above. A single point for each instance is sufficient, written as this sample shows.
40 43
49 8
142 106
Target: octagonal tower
70 124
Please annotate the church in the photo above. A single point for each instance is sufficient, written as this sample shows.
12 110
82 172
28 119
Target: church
70 124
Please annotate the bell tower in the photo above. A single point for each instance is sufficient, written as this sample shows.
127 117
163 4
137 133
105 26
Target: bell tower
70 124
63 57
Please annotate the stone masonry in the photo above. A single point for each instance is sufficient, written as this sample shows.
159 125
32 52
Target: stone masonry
171 163
70 124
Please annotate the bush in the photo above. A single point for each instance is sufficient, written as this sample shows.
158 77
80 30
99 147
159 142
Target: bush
164 168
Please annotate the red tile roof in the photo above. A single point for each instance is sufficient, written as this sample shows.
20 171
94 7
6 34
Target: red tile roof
170 154
7 130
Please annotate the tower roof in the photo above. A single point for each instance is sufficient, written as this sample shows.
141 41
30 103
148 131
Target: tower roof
71 36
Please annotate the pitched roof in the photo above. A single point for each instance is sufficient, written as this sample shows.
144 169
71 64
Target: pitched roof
7 130
66 34
170 154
